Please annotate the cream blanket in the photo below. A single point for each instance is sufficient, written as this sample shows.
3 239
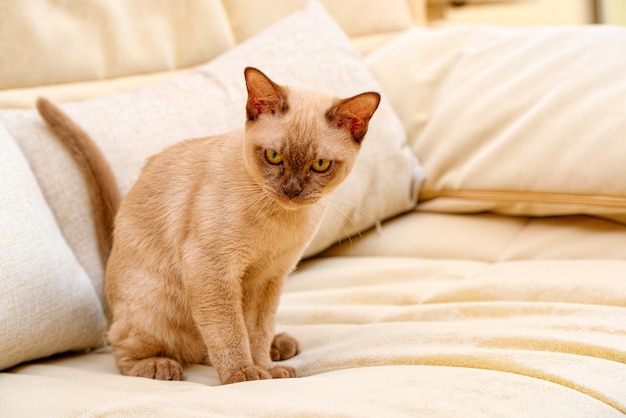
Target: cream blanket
386 336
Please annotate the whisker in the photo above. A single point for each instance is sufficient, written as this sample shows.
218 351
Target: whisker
344 212
346 231
343 206
359 208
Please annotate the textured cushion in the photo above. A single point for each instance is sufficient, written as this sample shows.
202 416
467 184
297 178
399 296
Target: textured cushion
515 121
307 49
93 40
47 303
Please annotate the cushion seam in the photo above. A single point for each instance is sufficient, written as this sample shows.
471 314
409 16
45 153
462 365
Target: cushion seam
519 196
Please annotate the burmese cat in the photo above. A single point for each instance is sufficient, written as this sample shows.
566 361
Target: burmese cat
206 236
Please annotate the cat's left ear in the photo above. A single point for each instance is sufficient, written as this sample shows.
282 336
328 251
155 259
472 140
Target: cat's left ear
353 114
264 96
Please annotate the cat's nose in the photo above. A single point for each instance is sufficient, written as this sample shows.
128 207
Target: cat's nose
292 188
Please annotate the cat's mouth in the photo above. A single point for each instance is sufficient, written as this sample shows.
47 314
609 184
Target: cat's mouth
295 202
292 201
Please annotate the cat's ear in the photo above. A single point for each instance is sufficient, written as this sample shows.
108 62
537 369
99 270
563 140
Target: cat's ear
353 114
264 96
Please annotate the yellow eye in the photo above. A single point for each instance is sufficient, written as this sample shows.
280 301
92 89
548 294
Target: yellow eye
321 165
273 157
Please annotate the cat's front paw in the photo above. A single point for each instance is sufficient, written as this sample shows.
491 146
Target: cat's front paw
284 347
248 373
281 372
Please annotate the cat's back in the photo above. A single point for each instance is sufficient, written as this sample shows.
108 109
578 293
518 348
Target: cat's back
192 157
170 181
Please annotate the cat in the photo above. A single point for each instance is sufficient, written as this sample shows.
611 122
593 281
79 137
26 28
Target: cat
205 238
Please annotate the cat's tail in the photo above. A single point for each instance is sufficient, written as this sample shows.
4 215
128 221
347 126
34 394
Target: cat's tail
103 191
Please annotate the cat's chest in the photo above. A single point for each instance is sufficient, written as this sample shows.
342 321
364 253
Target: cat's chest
280 231
276 232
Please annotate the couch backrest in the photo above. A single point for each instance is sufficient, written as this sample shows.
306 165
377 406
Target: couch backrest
46 42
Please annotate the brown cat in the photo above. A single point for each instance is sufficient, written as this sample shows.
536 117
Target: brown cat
205 238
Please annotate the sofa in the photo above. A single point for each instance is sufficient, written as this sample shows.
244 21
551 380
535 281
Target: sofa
473 264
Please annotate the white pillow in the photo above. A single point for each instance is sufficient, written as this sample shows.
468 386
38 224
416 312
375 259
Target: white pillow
306 49
47 303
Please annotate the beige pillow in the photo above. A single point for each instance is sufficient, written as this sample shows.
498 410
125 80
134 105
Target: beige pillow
47 41
356 17
306 49
47 303
514 121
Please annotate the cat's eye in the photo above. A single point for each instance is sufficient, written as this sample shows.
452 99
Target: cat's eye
273 157
321 165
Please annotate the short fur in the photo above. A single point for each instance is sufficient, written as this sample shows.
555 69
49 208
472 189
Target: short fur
205 238
104 193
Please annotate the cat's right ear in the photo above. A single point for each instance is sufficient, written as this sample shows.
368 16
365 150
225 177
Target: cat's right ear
353 114
264 96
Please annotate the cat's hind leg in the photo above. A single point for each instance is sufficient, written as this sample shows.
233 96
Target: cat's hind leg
159 368
138 353
135 357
